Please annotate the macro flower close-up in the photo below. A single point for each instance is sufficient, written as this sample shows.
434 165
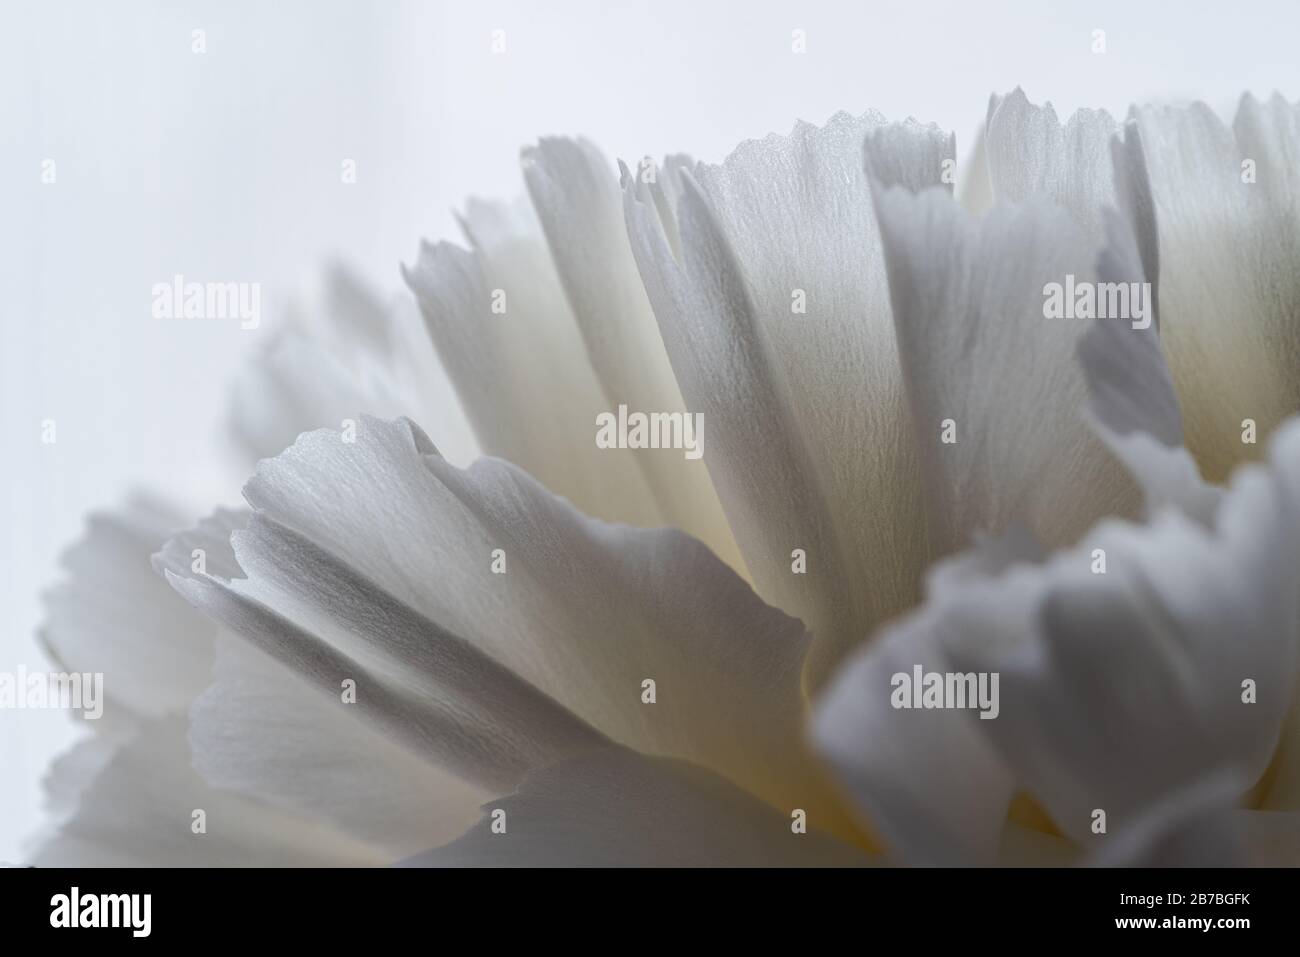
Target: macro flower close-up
883 494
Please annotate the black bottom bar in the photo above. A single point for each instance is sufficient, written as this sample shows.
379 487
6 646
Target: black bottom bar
443 908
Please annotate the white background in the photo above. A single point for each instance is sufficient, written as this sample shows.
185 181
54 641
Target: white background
225 166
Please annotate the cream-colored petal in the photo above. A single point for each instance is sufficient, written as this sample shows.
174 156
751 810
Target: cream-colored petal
994 390
112 615
262 731
492 627
1119 690
1030 153
350 353
420 685
1230 257
577 198
615 808
927 781
767 282
1096 171
523 374
140 810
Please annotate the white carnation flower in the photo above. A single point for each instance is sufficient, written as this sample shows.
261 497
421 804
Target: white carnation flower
571 654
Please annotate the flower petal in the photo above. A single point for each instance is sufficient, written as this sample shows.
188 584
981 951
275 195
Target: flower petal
985 366
1191 827
775 287
1030 153
111 615
1132 403
1089 167
1272 838
374 560
926 780
577 198
425 687
975 192
1229 257
294 384
523 373
1281 790
1123 690
1097 172
70 772
140 811
350 354
615 808
261 730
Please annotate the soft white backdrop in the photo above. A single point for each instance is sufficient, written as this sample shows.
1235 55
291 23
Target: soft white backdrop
225 166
